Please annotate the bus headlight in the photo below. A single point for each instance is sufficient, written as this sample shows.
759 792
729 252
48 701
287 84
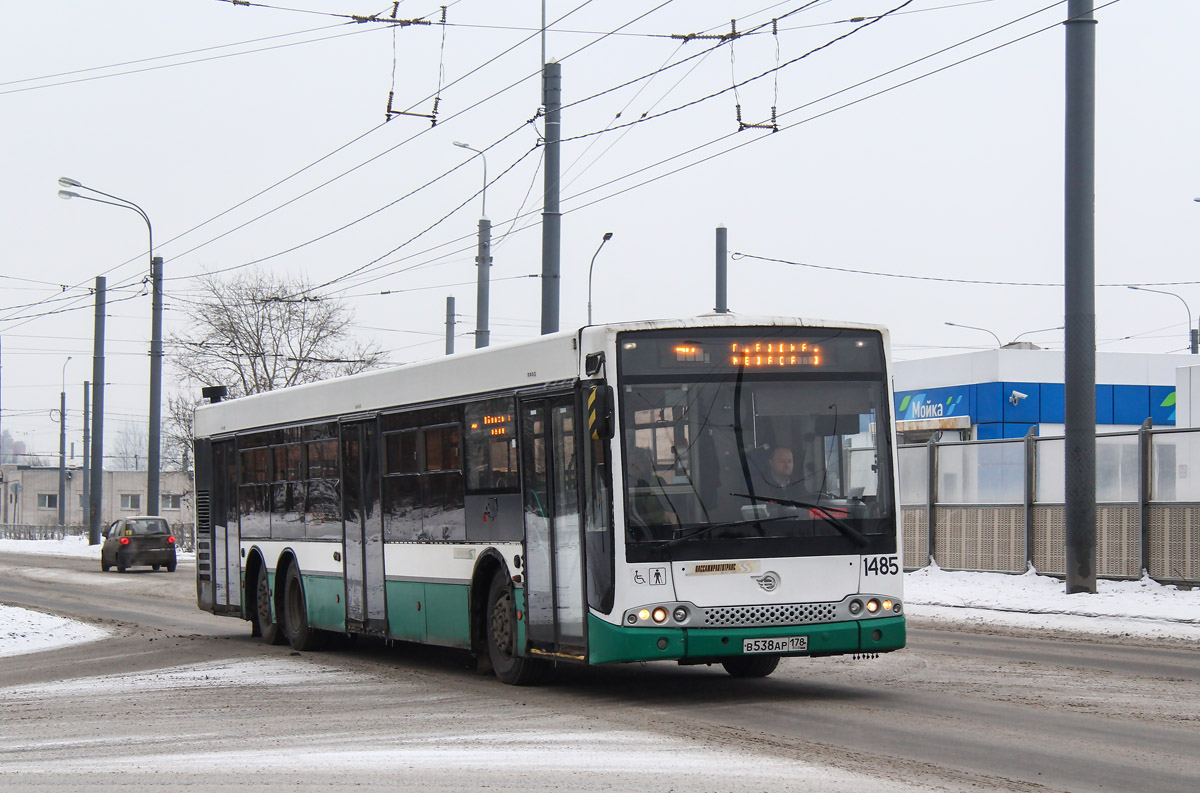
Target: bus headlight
644 614
856 606
680 614
887 605
872 606
660 614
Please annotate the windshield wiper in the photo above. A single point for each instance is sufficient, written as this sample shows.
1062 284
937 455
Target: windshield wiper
849 531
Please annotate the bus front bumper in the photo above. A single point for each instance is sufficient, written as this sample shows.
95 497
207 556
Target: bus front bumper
608 643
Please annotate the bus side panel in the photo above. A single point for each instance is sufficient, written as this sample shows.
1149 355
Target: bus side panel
405 612
448 615
323 600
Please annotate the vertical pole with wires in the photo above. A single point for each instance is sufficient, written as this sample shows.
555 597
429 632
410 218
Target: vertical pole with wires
450 325
1080 297
97 462
551 217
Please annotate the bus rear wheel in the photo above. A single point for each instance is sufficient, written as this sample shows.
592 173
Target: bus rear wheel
295 614
264 626
509 667
751 665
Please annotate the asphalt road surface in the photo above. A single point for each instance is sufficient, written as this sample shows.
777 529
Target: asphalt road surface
178 699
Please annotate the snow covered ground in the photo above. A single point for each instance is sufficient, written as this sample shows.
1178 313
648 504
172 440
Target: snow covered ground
1130 608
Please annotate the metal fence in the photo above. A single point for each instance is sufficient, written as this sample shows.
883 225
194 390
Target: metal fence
185 533
999 505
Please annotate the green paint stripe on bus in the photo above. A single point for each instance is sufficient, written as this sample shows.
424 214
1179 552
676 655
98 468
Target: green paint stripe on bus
609 643
324 598
430 613
448 620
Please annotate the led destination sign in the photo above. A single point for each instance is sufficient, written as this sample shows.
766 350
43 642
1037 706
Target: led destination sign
754 354
779 354
496 426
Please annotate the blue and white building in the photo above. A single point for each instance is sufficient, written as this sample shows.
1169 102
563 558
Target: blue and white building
1003 393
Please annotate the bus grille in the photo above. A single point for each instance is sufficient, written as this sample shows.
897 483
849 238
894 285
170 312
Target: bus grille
757 616
203 512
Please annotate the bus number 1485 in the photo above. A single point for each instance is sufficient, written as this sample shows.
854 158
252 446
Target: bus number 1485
881 565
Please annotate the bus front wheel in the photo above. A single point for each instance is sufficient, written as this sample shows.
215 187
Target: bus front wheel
509 667
751 665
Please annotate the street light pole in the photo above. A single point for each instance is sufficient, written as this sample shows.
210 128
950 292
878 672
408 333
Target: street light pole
155 412
1038 330
606 238
972 327
1193 333
483 259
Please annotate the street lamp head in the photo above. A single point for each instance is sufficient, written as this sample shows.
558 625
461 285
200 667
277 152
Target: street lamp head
607 236
65 181
462 145
66 194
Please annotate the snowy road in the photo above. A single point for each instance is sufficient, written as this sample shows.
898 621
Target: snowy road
176 699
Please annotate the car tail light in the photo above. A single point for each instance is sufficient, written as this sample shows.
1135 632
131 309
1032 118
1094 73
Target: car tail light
124 540
171 539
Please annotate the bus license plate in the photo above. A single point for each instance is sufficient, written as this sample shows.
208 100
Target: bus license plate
782 644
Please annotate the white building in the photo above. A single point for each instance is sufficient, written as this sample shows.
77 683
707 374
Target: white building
30 496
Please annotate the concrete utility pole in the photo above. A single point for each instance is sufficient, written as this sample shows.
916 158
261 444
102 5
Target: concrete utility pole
153 463
94 503
62 447
1080 292
551 217
1 423
722 306
87 445
483 259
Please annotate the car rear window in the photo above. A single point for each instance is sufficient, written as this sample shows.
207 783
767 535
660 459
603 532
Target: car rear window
147 526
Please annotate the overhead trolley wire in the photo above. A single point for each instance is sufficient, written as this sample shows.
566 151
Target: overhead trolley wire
816 116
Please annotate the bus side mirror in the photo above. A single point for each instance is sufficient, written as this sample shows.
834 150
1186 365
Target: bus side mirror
600 412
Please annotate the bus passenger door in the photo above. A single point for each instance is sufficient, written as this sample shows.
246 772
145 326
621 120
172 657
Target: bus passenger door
224 551
366 604
554 593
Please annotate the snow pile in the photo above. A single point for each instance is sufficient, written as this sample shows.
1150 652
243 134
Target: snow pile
23 631
1138 608
76 546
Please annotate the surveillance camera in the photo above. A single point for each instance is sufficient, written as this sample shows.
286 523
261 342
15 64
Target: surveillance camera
1017 396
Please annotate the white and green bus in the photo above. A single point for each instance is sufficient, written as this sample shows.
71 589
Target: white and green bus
711 490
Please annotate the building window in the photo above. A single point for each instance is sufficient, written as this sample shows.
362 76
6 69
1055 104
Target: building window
131 501
171 501
47 500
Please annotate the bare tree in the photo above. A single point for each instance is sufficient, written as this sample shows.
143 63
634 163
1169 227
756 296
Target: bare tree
255 332
129 448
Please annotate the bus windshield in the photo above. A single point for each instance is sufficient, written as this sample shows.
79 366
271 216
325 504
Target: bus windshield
768 443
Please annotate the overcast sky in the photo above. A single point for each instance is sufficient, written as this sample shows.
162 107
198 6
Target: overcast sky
239 154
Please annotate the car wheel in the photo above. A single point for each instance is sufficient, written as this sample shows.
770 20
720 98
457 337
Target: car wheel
751 665
264 626
121 566
104 566
501 615
295 608
155 567
171 566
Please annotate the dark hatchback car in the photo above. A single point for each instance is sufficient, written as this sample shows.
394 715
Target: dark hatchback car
138 540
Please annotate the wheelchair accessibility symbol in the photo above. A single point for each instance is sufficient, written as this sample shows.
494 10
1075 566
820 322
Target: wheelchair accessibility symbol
653 576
